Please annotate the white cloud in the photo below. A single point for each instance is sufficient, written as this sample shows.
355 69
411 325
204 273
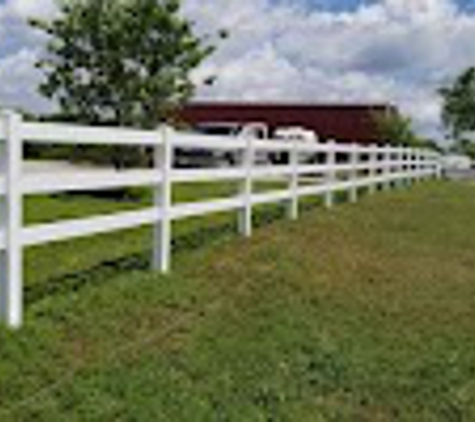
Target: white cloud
397 51
19 78
420 9
20 48
29 8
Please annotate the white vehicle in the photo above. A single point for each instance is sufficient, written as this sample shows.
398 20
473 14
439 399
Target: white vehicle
298 133
254 129
206 158
457 166
456 162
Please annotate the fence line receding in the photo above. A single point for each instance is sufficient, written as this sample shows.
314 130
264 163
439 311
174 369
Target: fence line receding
308 169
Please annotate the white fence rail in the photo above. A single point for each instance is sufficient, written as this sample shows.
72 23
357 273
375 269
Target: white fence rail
339 167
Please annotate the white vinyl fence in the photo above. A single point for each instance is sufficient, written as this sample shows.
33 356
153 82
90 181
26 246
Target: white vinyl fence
340 167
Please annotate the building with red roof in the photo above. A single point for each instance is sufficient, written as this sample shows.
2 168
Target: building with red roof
341 122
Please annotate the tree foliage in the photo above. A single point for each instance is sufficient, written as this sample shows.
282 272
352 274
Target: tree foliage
464 147
459 103
396 129
121 62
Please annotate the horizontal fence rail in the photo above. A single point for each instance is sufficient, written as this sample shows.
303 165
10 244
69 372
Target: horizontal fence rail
326 168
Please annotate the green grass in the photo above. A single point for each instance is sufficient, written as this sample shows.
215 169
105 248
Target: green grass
362 313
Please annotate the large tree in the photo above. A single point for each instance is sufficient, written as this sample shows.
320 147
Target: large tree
122 62
459 103
396 129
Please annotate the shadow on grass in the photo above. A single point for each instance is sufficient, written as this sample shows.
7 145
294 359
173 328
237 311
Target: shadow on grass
103 271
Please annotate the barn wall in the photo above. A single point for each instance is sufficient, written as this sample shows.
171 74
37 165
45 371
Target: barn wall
346 123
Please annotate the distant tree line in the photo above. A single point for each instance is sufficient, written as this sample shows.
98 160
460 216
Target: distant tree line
397 129
458 112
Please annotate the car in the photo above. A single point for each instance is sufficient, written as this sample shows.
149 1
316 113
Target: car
295 132
255 129
298 133
456 162
201 157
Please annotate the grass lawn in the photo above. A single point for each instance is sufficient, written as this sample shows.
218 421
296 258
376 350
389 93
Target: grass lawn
362 313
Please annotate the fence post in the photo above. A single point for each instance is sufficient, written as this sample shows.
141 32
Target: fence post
414 165
417 165
425 157
245 214
354 155
432 165
387 163
438 167
422 165
425 162
373 163
294 181
404 167
415 156
330 176
399 168
11 213
163 162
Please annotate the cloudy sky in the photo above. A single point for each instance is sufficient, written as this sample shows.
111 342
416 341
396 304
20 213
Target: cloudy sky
397 51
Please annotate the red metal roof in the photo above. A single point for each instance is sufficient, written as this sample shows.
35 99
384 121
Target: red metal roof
342 122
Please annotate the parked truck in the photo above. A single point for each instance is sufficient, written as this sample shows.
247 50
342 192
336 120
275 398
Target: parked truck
297 133
205 158
257 130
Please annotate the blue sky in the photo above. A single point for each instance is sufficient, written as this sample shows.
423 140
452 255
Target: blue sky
385 51
335 5
327 4
349 5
